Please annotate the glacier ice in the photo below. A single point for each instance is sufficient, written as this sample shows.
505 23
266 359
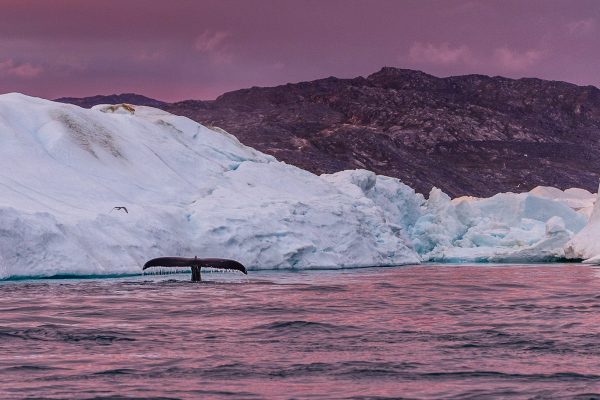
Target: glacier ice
191 190
507 227
585 244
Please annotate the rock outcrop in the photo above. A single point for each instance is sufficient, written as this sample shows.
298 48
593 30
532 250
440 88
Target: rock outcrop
468 135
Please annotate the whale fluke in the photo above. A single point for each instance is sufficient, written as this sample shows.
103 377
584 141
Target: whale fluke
196 263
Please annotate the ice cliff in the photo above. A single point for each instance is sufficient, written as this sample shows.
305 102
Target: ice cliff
191 190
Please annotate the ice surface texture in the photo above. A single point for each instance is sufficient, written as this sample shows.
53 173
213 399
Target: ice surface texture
508 227
586 244
191 190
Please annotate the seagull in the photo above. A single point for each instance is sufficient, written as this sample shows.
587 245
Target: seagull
120 208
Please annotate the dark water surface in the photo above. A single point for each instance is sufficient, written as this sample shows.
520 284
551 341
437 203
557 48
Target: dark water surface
415 332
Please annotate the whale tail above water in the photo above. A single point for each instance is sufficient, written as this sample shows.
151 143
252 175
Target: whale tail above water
196 263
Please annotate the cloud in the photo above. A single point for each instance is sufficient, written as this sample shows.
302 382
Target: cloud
210 41
581 27
149 56
23 70
278 65
443 54
214 44
515 60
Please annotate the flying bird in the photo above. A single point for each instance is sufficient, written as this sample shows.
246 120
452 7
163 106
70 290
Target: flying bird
196 263
120 208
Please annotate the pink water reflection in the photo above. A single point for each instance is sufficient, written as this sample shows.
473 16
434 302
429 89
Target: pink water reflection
421 332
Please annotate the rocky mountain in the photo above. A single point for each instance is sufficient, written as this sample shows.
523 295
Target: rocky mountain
129 98
468 135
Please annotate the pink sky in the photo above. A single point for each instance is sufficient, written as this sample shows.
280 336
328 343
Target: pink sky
179 49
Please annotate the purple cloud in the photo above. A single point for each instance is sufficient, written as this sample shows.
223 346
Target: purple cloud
513 60
20 70
214 45
581 27
202 48
440 54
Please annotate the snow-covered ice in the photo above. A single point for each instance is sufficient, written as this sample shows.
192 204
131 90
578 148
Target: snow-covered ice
586 244
191 190
508 227
579 200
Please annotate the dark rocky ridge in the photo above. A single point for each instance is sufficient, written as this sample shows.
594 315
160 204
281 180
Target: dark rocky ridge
129 98
468 135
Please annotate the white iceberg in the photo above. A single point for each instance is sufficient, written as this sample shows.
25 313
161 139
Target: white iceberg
508 227
586 244
579 200
190 190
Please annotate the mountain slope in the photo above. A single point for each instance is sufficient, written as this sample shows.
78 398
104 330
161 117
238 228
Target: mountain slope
468 135
128 98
